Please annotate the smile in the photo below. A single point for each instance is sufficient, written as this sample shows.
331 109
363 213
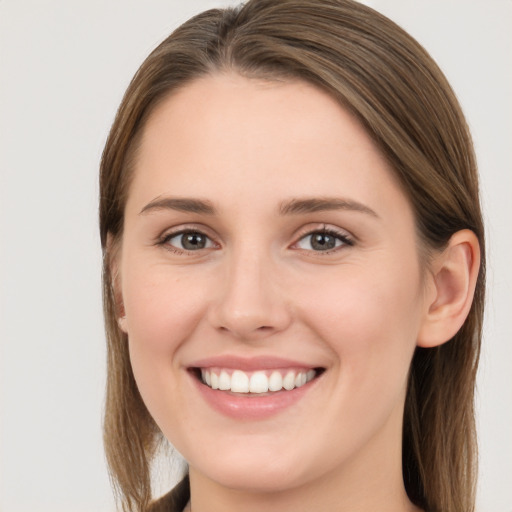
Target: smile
253 389
257 382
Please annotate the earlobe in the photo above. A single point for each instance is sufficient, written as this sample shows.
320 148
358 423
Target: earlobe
453 281
112 253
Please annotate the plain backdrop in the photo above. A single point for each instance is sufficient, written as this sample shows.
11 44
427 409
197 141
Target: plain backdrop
64 66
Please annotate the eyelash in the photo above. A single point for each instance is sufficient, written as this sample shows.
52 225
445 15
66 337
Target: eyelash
338 235
164 240
343 237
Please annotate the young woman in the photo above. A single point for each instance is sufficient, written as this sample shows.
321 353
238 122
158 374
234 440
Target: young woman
293 267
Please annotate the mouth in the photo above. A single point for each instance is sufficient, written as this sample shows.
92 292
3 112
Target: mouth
262 382
256 388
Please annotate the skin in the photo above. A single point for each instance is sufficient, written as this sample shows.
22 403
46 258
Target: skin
259 288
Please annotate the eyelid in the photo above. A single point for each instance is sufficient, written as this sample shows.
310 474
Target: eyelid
346 237
341 234
181 228
169 233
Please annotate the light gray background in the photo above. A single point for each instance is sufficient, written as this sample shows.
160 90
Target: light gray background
64 66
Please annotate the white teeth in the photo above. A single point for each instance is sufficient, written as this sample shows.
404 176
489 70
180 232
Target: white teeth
215 381
275 382
239 382
289 381
257 382
224 381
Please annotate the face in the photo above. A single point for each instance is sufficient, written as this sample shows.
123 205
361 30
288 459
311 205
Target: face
271 285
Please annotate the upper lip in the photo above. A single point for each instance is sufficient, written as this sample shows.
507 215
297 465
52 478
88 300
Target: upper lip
250 363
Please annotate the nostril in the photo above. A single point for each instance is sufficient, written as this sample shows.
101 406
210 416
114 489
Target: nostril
245 330
247 312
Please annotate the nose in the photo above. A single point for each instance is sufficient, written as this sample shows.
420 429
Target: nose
250 302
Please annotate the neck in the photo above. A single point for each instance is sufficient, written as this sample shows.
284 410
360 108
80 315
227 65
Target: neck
305 498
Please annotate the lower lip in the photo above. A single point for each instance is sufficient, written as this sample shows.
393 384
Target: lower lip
253 407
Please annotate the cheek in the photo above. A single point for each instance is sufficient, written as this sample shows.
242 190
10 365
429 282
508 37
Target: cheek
358 301
370 325
370 320
161 309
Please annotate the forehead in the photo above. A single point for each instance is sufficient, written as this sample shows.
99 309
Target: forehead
256 138
228 109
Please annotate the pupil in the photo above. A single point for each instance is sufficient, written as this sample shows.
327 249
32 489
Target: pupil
323 242
193 241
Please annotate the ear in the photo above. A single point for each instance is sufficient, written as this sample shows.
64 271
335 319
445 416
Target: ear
113 254
451 289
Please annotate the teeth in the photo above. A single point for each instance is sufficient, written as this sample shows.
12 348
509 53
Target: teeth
263 381
258 383
215 381
300 380
289 381
224 381
275 383
239 382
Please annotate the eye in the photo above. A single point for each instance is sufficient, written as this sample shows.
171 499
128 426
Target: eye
188 241
323 241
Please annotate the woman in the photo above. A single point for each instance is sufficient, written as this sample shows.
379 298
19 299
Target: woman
293 267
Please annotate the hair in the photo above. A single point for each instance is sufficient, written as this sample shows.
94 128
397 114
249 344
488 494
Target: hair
378 72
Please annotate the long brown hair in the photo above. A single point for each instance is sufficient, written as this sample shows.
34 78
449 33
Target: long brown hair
383 76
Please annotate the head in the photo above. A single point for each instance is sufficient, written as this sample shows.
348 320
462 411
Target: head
393 93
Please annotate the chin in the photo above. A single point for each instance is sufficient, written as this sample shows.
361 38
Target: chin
267 471
258 479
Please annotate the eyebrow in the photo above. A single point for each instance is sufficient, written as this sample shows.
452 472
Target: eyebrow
291 207
180 204
322 204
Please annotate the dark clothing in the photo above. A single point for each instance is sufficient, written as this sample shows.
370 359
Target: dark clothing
175 500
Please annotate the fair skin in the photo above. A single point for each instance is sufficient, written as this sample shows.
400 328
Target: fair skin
301 255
